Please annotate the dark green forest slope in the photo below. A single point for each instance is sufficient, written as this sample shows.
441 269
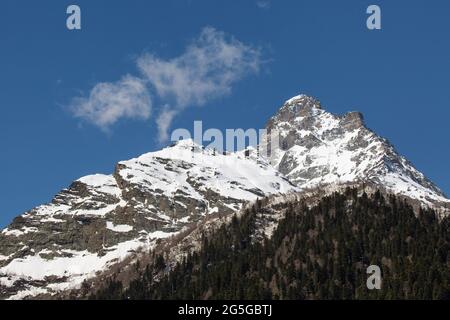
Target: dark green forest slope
315 253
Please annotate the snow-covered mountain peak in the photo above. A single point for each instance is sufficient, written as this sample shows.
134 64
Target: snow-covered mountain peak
303 100
298 106
317 148
306 112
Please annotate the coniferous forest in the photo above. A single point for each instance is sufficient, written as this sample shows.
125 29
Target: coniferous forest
321 252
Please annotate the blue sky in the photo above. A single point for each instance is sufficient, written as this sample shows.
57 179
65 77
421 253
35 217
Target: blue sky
397 77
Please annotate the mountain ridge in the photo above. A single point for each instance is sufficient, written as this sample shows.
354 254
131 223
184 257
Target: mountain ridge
101 220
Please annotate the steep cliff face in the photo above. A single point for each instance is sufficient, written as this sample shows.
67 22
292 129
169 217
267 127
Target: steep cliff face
103 220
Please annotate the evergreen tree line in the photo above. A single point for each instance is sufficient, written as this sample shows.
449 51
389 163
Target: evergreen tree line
320 252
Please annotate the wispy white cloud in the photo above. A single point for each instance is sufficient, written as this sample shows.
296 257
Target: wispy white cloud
208 68
263 4
108 102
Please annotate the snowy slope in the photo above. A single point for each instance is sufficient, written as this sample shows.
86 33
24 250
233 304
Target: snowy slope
232 175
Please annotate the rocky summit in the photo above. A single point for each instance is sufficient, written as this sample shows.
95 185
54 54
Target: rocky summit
320 148
100 221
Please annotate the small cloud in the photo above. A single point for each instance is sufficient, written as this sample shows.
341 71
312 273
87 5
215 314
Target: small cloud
108 102
263 4
208 69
